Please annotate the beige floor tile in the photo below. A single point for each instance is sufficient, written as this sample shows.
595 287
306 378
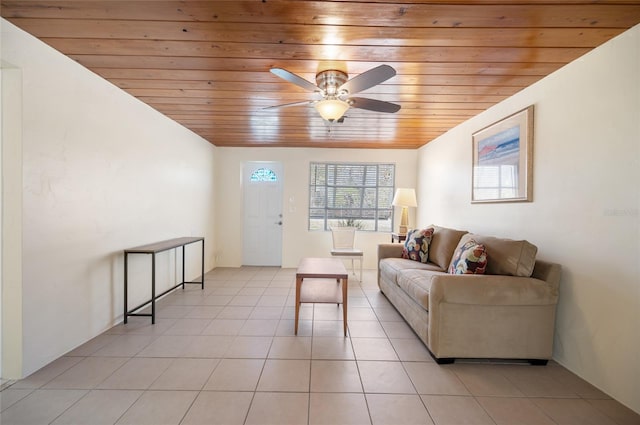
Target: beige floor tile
217 300
90 347
257 284
273 313
204 312
574 383
249 347
327 312
276 291
366 329
398 330
235 375
454 410
385 377
167 346
188 327
264 327
287 328
536 381
218 408
185 374
431 378
235 312
99 407
338 409
328 328
572 411
285 375
40 407
136 374
272 301
621 414
335 376
252 290
359 301
208 346
244 300
373 349
411 350
10 396
306 312
331 348
387 313
127 345
172 311
290 347
361 313
233 290
278 409
88 373
485 380
142 326
224 327
397 409
510 410
159 408
47 373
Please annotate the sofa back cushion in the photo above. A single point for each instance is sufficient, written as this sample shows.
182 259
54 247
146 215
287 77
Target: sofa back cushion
443 243
506 256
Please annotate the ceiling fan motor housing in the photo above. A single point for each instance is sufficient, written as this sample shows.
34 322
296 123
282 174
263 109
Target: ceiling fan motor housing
330 80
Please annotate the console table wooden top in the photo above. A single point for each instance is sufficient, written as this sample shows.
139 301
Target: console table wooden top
155 247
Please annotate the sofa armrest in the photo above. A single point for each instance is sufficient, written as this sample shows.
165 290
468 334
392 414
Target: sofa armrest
389 250
490 290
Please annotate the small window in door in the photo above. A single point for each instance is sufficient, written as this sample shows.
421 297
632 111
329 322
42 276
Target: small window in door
264 175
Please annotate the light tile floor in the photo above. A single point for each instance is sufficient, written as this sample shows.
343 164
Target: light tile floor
227 355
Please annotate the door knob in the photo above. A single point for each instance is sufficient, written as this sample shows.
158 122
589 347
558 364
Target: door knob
279 223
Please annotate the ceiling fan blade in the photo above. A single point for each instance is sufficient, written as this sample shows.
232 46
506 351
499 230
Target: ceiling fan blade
368 79
373 105
295 79
286 105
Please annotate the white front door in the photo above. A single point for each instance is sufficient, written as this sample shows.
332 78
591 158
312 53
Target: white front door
262 231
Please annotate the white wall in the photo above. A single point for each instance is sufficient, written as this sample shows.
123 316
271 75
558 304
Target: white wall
101 172
586 209
297 241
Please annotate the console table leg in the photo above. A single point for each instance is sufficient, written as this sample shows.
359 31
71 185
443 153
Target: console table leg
153 289
126 255
298 287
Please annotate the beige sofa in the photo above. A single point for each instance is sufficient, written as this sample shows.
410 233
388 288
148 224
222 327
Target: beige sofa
507 313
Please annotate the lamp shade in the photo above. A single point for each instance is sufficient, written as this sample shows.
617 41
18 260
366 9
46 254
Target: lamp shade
331 109
405 197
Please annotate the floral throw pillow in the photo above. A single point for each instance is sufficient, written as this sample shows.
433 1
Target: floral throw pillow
469 258
416 246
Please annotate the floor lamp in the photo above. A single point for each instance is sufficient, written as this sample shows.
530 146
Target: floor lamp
404 198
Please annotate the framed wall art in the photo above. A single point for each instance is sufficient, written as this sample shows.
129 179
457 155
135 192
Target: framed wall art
503 160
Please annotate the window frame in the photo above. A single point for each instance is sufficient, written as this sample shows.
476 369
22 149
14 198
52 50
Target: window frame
345 213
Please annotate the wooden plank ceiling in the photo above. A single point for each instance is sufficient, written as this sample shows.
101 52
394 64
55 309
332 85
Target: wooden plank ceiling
206 64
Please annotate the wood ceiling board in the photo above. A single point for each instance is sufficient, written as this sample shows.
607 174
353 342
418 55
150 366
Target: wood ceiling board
206 64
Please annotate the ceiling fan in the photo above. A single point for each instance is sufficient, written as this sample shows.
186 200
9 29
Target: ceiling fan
335 87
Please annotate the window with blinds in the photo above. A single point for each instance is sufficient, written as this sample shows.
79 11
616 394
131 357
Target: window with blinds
357 194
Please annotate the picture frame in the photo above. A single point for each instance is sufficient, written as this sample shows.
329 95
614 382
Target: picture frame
503 160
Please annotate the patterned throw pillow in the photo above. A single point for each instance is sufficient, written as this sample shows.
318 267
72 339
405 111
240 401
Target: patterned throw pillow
469 258
416 246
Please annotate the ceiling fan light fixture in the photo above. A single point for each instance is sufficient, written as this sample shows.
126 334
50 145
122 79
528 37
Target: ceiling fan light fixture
331 109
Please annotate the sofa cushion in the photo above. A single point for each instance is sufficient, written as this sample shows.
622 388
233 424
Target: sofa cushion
417 284
443 243
470 258
506 256
389 267
416 246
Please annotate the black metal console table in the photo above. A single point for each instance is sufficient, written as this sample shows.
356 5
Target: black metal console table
153 249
